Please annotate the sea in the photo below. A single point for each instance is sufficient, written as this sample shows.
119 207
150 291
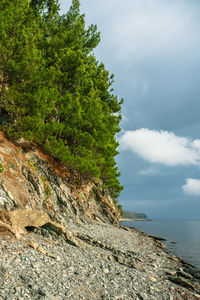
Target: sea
182 236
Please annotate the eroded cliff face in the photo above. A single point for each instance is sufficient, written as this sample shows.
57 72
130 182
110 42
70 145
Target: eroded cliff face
31 180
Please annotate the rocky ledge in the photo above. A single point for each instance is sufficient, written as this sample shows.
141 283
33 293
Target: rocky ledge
104 262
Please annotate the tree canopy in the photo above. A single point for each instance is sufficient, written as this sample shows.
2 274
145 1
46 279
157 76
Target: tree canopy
54 91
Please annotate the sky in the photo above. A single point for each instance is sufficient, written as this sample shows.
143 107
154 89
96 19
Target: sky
153 49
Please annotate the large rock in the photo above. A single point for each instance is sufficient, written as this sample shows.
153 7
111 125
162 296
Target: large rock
20 219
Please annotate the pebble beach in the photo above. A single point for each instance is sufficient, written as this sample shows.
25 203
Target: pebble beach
111 263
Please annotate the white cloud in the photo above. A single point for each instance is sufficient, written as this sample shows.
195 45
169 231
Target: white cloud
148 171
161 147
192 187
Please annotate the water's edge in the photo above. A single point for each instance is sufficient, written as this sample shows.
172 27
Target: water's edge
181 237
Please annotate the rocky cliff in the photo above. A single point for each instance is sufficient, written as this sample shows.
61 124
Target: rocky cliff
30 180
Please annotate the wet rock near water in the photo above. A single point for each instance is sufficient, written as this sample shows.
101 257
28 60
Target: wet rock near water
110 263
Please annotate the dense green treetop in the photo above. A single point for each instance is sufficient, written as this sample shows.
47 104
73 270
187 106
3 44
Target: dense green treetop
54 91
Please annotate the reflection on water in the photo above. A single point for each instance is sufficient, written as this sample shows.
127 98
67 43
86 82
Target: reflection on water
186 234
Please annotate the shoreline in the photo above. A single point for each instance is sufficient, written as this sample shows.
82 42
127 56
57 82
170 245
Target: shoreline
123 219
174 246
112 262
164 246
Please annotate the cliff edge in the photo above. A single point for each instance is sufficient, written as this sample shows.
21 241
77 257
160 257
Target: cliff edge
30 180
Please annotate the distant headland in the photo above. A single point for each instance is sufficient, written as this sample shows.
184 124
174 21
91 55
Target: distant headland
133 216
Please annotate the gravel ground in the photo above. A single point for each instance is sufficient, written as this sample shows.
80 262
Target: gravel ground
112 263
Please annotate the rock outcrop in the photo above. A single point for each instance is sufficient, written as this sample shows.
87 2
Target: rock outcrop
30 180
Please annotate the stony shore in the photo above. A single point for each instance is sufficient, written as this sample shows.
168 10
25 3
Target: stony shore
110 263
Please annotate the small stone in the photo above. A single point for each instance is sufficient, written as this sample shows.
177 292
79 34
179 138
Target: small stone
25 278
174 258
143 296
110 257
18 289
154 266
59 258
106 271
150 272
152 279
120 297
171 273
163 245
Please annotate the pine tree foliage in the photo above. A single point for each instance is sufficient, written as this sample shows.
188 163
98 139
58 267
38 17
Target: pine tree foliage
53 89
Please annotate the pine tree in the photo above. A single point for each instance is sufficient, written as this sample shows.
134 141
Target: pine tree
22 66
55 91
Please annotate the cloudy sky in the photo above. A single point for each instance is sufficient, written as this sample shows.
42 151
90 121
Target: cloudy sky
153 49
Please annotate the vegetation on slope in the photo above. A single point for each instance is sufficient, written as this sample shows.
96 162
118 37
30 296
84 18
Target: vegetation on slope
53 91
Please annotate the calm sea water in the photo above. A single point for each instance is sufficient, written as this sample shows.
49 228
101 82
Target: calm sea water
186 234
